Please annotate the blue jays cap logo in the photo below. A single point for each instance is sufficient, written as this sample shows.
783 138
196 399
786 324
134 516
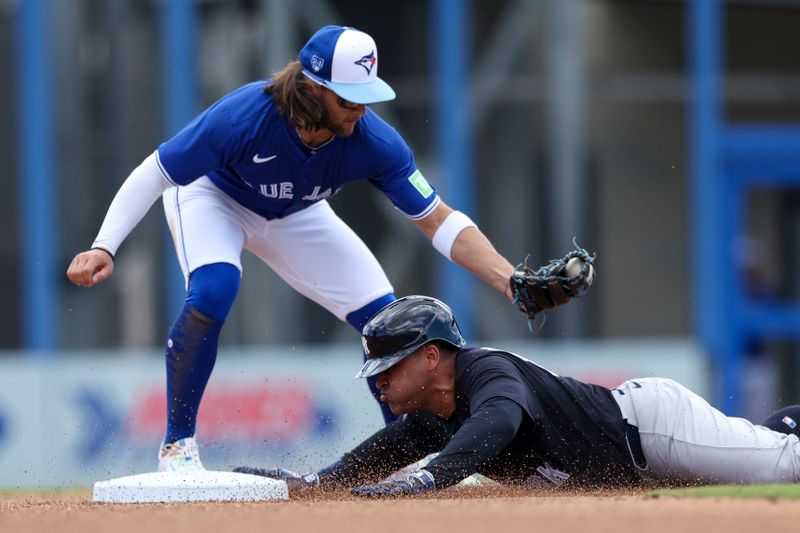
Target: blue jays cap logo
316 63
368 61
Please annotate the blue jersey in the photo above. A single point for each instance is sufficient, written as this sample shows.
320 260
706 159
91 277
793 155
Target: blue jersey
256 157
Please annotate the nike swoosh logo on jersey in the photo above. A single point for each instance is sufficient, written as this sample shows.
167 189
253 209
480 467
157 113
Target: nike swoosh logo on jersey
257 159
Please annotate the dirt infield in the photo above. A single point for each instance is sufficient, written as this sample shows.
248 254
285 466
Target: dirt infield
475 510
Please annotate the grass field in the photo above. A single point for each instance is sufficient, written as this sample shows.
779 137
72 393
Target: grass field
46 492
785 491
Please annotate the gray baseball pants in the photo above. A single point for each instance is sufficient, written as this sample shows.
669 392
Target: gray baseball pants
684 439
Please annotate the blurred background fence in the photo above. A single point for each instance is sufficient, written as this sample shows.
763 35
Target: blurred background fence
662 134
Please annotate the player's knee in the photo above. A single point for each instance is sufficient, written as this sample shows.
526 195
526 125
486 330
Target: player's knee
360 317
213 288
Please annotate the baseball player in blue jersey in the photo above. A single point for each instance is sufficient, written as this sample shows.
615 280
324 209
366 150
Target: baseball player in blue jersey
253 172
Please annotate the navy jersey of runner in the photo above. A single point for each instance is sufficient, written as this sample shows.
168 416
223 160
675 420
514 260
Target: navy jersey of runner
569 425
560 428
255 156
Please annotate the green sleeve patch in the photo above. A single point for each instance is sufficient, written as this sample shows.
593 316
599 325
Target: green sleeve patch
421 184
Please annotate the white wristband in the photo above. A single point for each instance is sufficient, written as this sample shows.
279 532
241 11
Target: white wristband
446 235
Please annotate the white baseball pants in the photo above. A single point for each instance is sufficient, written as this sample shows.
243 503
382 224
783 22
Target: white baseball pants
313 250
684 439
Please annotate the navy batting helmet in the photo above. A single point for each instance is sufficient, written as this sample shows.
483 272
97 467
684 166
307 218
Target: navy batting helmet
402 327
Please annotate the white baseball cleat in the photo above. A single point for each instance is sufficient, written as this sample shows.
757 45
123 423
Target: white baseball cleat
180 456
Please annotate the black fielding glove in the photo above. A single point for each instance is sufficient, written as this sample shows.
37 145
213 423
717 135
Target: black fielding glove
552 285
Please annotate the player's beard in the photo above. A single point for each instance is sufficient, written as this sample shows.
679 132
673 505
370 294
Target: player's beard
337 128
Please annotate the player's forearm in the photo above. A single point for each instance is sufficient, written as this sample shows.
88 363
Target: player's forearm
485 434
402 442
473 251
135 197
457 237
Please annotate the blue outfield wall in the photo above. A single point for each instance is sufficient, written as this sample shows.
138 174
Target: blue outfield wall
728 161
77 418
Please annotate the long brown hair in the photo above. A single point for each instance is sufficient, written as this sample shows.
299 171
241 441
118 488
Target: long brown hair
291 92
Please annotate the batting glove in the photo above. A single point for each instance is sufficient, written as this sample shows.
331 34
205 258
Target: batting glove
413 483
294 481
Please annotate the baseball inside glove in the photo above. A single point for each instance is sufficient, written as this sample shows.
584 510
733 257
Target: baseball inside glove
552 285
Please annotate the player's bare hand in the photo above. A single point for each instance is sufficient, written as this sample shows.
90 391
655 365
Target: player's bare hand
90 268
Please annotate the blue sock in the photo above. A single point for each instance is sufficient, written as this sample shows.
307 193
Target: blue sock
192 344
358 320
191 354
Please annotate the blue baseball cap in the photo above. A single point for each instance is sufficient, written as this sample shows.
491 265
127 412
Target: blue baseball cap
345 60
